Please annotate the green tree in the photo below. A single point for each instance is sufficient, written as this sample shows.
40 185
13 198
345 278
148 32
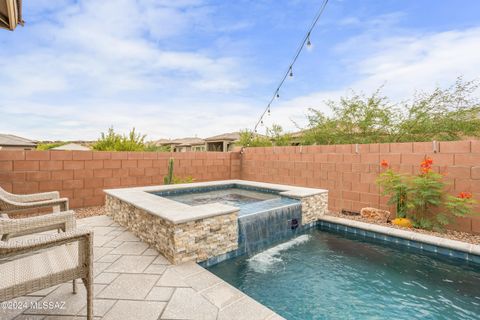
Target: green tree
250 139
278 137
444 114
48 146
112 141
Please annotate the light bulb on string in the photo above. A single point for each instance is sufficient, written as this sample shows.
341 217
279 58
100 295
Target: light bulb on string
305 44
309 43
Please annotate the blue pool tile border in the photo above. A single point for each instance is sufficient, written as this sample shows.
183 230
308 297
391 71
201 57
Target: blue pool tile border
367 234
414 244
215 188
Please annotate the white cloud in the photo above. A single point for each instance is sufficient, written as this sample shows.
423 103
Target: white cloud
402 65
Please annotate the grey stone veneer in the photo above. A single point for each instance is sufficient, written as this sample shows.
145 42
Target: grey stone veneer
196 233
313 207
194 240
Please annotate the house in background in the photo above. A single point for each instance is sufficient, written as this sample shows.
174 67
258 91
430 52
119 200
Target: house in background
10 14
183 145
222 142
296 138
12 142
189 144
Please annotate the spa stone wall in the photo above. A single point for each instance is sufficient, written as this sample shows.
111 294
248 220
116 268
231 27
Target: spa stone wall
196 240
313 207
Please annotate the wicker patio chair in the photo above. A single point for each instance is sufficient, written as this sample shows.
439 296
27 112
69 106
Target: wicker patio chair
62 221
11 203
30 265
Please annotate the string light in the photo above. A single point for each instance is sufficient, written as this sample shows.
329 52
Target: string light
305 43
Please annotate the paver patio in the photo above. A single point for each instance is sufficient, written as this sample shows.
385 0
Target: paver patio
133 281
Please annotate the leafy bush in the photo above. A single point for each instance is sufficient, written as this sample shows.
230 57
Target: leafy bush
48 146
444 114
153 148
112 141
423 198
394 185
249 139
275 137
278 137
188 179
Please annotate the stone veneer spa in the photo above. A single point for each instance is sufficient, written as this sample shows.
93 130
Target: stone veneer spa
186 223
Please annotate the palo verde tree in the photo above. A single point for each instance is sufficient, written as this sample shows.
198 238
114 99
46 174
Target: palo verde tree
112 141
443 114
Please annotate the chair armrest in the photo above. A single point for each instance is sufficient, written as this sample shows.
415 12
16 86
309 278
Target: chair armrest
16 227
20 247
34 196
14 206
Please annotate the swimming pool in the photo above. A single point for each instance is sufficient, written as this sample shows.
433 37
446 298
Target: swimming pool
325 275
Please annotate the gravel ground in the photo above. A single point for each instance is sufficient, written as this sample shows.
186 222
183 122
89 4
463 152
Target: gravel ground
449 234
89 212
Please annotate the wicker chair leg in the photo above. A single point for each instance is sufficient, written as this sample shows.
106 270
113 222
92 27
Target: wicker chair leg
74 286
89 287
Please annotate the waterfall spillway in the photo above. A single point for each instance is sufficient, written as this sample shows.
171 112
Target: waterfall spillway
258 230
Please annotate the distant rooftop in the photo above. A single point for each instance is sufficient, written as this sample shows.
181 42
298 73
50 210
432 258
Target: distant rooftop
181 142
232 136
11 140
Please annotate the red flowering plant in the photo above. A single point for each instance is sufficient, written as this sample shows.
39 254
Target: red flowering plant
423 197
394 185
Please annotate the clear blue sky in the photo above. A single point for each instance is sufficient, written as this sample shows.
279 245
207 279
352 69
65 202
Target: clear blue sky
193 67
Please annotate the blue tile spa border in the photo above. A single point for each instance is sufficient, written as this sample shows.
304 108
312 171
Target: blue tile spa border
418 246
409 243
214 188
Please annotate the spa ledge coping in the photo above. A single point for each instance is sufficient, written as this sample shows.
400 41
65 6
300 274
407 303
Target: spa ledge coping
176 212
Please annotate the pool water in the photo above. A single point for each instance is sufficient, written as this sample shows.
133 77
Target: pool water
247 200
324 275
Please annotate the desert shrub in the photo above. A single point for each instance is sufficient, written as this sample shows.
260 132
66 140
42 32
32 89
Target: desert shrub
112 141
423 197
278 137
250 139
275 137
443 114
48 146
153 148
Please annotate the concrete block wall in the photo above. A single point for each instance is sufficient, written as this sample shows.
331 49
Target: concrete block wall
82 175
349 171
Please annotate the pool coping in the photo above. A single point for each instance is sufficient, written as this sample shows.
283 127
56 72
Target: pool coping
176 212
466 247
